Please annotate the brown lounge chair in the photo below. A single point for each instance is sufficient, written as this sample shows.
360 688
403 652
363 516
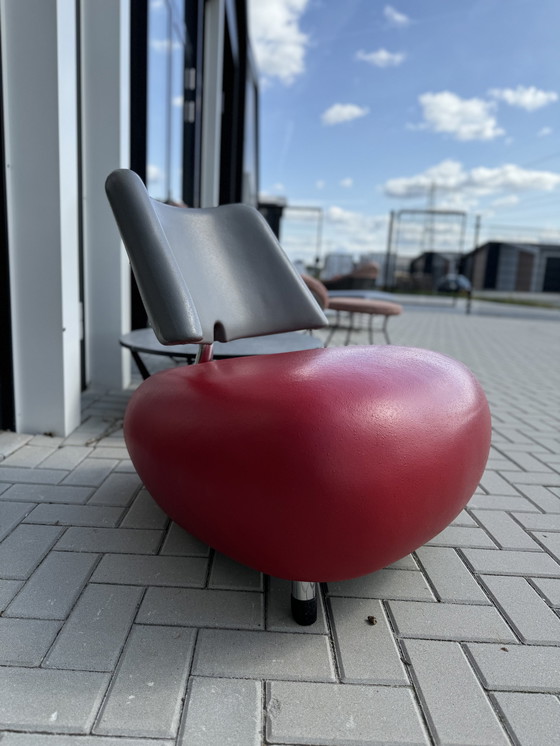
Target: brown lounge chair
371 307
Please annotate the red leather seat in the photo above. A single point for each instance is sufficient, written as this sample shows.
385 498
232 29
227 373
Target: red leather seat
320 465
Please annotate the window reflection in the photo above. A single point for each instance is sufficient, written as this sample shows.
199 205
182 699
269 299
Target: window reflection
165 101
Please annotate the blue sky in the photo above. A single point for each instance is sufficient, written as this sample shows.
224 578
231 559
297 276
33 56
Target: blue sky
369 106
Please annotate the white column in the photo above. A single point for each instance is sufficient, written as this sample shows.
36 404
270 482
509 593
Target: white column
214 20
105 71
40 119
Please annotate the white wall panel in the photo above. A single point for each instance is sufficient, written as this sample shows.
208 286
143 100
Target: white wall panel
105 83
40 118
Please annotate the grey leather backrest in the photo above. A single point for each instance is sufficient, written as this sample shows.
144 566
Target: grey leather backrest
209 274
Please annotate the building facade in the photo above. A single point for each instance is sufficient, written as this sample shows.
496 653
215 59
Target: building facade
531 268
165 87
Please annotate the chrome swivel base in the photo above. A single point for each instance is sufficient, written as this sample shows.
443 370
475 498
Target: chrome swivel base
304 602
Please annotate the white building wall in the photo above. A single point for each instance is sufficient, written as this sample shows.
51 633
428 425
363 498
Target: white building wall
105 96
40 119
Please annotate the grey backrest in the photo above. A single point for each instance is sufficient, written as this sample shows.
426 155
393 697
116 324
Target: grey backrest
209 274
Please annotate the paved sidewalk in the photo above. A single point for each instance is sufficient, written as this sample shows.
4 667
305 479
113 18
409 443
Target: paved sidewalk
119 629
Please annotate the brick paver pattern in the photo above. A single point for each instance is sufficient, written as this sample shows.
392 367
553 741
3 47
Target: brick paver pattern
117 628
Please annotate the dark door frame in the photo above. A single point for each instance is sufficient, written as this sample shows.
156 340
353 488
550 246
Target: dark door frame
7 405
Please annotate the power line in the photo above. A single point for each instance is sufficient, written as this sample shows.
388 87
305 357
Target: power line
543 159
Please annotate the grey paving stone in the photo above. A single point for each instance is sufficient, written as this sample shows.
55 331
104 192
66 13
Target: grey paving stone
125 465
337 715
497 464
54 587
30 476
10 442
510 562
406 563
115 440
517 667
513 434
179 542
550 588
24 548
495 484
534 719
222 711
51 441
462 536
501 502
551 542
11 514
75 515
90 428
116 540
528 462
138 569
50 701
91 472
228 574
449 622
262 655
525 610
385 584
505 531
29 456
366 653
144 513
279 614
457 709
4 486
202 608
47 493
549 479
8 589
66 457
539 521
110 452
24 642
117 489
43 739
146 696
93 636
464 519
451 579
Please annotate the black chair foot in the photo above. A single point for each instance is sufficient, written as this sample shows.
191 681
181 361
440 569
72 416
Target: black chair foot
304 603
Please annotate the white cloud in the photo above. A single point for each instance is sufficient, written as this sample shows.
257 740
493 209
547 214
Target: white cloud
338 113
464 119
382 58
395 17
450 176
162 46
320 184
508 201
347 183
544 132
154 173
278 41
344 230
526 97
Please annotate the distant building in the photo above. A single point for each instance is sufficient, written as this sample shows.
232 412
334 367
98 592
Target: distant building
432 266
518 267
